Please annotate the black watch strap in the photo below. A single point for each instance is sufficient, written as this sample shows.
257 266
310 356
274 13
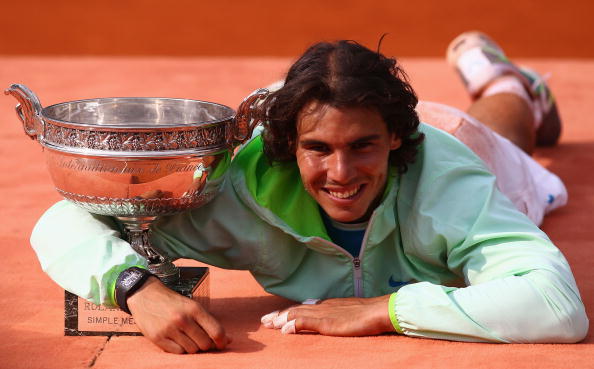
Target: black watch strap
127 283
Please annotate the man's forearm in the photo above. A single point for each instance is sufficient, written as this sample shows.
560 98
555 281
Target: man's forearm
81 252
535 307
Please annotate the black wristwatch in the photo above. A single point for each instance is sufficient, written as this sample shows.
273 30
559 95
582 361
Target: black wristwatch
127 283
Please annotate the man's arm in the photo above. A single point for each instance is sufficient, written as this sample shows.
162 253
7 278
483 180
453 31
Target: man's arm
532 308
84 254
519 286
536 306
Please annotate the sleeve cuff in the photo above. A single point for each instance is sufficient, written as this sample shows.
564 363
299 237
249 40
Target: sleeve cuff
392 312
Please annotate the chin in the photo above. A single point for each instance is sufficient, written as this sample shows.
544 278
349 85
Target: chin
343 217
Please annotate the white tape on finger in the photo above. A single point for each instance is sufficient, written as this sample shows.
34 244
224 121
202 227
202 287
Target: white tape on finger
280 320
289 328
267 320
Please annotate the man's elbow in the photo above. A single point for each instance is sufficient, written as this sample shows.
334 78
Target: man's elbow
571 326
574 327
560 317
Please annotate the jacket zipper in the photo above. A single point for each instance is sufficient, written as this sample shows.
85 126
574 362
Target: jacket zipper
356 261
358 277
357 271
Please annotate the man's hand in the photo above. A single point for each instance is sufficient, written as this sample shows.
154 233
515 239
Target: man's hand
175 323
335 317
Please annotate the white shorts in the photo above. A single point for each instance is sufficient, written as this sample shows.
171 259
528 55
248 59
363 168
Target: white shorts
533 189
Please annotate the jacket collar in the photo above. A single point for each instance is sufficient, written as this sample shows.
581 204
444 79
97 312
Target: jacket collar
276 193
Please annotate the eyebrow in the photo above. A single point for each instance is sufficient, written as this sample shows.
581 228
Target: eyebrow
366 138
307 142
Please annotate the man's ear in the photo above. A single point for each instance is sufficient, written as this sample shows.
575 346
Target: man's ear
395 142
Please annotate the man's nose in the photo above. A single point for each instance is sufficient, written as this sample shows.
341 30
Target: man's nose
340 167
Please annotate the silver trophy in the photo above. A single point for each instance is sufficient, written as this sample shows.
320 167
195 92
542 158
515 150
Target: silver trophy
137 158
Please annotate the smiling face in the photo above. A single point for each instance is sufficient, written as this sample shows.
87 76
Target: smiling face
342 156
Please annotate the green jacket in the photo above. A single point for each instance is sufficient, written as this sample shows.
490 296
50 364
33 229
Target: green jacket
441 226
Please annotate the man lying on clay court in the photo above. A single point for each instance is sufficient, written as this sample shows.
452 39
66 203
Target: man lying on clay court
388 224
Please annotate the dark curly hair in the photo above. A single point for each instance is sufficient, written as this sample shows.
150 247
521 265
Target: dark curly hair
342 74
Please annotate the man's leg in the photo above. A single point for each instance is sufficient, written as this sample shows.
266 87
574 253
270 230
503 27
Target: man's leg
512 111
515 102
533 189
508 115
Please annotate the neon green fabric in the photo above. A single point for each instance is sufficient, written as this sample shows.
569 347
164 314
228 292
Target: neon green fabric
264 183
466 264
392 312
112 284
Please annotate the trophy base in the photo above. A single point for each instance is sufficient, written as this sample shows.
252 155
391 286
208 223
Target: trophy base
83 318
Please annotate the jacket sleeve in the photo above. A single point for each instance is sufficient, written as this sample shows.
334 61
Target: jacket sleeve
519 286
85 253
82 252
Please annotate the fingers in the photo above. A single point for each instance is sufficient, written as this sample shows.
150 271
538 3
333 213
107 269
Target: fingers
199 338
268 319
176 323
182 335
279 320
190 345
302 320
289 327
212 328
203 329
275 319
170 346
315 317
189 337
336 317
286 320
304 323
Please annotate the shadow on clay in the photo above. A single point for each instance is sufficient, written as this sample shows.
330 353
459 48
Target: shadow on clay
241 316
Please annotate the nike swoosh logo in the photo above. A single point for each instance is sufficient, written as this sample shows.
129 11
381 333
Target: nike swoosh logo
394 283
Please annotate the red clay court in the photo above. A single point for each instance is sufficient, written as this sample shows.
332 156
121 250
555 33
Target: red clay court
32 306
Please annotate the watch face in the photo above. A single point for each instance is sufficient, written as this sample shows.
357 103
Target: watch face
132 277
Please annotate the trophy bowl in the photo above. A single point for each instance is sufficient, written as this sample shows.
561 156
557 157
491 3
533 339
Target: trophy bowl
137 158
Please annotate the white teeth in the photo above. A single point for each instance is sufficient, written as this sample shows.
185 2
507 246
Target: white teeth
344 195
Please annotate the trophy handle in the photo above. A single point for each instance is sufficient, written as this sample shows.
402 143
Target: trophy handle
245 119
28 110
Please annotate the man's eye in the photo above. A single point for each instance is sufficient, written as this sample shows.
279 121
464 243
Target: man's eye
317 148
361 145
